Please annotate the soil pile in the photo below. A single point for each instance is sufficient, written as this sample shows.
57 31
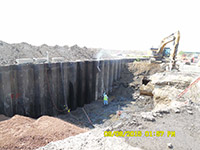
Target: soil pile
11 52
25 133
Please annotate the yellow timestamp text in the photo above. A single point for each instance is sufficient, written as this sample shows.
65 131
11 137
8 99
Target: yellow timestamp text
139 133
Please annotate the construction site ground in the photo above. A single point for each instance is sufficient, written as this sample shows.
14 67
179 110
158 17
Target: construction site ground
161 111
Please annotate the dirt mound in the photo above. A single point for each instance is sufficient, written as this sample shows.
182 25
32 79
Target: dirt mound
144 68
11 52
25 133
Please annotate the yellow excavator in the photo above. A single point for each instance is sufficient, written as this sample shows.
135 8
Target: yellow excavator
165 54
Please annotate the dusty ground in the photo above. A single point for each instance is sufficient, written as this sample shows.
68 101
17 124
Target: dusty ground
185 125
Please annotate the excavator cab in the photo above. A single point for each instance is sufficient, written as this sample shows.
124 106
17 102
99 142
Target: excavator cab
161 56
166 52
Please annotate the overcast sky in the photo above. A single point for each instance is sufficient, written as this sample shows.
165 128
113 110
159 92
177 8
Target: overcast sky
109 24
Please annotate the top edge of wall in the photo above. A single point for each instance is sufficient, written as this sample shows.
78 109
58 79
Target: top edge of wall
85 60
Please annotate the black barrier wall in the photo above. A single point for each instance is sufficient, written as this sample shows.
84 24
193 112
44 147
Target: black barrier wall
50 89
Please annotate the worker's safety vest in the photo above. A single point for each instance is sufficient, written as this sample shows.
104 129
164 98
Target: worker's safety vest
105 98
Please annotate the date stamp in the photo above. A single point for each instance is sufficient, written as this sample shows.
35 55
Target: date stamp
139 133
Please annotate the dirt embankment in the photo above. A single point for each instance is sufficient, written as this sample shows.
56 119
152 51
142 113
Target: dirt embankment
132 76
25 133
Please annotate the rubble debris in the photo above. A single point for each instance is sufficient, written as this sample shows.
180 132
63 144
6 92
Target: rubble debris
169 145
177 110
148 116
163 110
190 112
189 108
147 89
154 114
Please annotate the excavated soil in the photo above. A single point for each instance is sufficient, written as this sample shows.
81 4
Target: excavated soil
24 133
11 52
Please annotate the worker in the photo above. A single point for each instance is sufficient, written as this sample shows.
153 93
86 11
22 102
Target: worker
105 98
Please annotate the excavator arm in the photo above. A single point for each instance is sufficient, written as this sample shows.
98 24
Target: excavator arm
164 42
176 46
